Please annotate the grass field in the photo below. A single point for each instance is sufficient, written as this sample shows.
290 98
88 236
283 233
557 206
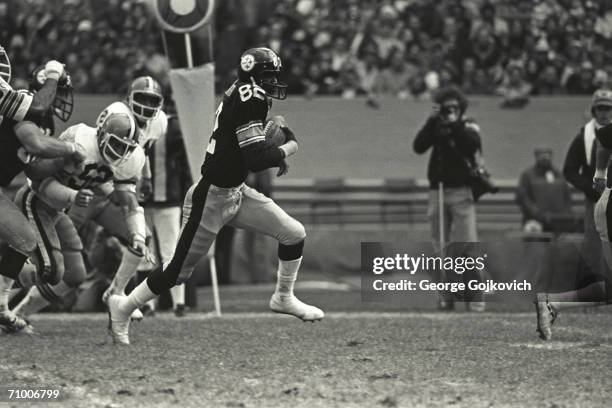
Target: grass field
370 356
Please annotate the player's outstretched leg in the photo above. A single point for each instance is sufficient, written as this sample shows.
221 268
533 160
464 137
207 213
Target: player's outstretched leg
283 300
261 214
121 307
127 269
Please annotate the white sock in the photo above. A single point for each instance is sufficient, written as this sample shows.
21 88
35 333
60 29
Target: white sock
6 284
178 295
40 296
286 276
127 269
137 298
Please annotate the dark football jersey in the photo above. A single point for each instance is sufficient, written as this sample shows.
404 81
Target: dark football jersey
239 122
10 163
13 104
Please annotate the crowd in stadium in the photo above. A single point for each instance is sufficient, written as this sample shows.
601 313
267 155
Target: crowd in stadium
342 47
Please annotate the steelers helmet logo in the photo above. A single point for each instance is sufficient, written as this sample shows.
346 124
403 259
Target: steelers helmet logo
276 62
183 16
247 62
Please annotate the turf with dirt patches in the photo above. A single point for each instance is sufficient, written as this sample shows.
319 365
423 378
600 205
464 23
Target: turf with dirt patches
364 359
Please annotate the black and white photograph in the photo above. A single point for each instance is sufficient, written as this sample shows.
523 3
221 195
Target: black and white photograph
305 203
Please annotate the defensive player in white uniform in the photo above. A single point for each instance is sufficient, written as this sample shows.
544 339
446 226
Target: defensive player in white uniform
103 191
143 104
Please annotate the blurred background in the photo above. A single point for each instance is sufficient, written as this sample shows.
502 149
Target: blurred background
361 74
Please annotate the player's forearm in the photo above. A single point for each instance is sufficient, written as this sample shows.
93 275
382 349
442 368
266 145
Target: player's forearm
53 191
41 169
260 156
36 143
42 100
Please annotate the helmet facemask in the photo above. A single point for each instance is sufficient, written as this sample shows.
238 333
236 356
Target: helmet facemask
145 105
116 150
63 104
273 87
117 138
5 66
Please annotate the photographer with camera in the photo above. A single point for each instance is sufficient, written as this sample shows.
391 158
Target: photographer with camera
456 180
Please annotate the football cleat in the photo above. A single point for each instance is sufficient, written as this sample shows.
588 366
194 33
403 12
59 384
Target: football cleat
289 304
136 316
179 310
546 316
10 323
118 322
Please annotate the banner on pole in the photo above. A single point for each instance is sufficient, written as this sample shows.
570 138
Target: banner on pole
194 94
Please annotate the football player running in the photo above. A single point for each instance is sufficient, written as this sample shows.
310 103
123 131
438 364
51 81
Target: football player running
598 293
144 101
237 145
21 138
104 191
143 104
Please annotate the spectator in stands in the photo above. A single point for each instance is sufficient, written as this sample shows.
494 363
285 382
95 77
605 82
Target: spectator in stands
579 169
543 195
394 79
492 33
583 81
514 89
548 82
454 141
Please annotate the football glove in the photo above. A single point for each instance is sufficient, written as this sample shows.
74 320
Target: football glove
54 69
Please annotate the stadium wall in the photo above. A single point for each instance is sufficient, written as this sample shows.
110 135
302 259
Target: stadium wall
354 140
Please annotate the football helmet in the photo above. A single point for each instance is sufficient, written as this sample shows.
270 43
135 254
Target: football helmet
5 65
262 66
63 104
117 138
145 97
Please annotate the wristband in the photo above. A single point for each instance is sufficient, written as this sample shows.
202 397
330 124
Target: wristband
289 148
53 75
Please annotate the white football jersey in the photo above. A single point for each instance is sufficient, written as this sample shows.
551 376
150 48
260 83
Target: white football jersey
97 173
152 129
